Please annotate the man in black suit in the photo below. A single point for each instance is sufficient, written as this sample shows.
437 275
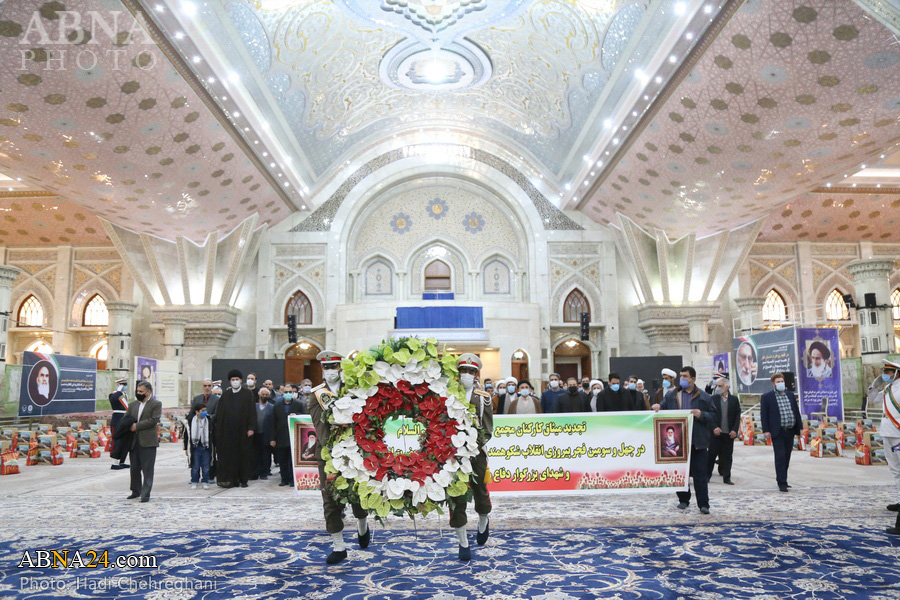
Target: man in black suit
780 417
721 444
281 436
706 417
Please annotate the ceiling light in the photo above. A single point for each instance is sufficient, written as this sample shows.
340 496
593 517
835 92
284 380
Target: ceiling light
828 184
586 158
646 97
862 166
271 164
246 129
303 207
224 97
680 8
196 58
615 141
639 73
159 8
287 184
265 153
189 8
607 123
599 163
689 36
657 79
878 185
568 186
179 35
211 80
437 71
634 113
707 9
672 59
255 141
234 77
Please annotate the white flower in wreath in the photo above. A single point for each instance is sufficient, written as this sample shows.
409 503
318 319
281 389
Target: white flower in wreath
432 371
345 407
439 386
385 371
395 489
456 409
443 478
419 493
435 490
363 393
413 372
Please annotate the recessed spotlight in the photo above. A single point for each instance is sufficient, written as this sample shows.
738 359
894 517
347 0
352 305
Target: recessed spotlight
599 163
673 59
657 79
568 186
255 141
224 97
615 141
196 58
854 185
634 113
179 35
585 182
159 8
189 8
234 77
237 115
878 185
211 80
586 158
265 153
287 184
862 166
689 36
680 8
707 9
828 184
607 123
303 207
271 164
246 129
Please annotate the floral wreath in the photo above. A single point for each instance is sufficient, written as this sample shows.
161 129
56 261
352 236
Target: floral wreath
401 378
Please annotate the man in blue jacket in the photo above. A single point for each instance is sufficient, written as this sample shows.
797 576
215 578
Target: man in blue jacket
780 418
706 417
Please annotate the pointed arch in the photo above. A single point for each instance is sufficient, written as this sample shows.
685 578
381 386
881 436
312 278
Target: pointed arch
783 286
30 313
438 276
85 294
95 313
286 290
835 307
576 302
497 277
775 308
895 304
300 306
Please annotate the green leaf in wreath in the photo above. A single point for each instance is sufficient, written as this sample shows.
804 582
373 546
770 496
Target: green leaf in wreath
388 354
413 343
401 357
398 503
431 349
383 510
371 379
367 358
418 355
458 488
341 483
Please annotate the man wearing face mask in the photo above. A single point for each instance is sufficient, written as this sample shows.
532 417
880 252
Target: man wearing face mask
890 429
334 510
551 394
706 417
592 402
668 380
525 402
233 433
146 411
469 365
263 435
506 393
281 436
721 444
780 418
304 393
251 385
571 401
614 398
118 402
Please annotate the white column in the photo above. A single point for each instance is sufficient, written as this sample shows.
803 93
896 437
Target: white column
872 276
8 277
698 328
173 337
121 315
750 308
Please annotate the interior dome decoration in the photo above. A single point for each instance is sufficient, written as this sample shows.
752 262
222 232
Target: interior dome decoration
411 65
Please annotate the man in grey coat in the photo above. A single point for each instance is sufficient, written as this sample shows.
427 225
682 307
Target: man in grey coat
146 412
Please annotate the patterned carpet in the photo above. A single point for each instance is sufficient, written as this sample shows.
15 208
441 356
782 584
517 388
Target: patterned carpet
752 560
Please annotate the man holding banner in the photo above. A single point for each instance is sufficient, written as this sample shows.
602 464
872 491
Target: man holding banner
706 417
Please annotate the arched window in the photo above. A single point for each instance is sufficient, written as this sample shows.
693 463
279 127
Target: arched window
437 276
299 306
775 308
895 303
835 307
41 347
575 304
101 352
95 312
31 312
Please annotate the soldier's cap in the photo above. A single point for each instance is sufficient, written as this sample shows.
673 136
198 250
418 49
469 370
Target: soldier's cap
890 363
720 375
469 360
329 357
122 380
217 382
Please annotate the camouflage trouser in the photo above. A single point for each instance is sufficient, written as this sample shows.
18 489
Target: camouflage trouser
334 510
479 491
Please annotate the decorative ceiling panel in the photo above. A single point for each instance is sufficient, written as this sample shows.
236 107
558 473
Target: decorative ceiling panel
789 96
104 120
41 219
838 217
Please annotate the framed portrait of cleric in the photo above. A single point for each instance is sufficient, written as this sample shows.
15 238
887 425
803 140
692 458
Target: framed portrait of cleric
818 358
43 382
304 444
669 440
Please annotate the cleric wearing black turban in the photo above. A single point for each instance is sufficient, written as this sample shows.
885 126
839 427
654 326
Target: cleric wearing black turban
233 434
